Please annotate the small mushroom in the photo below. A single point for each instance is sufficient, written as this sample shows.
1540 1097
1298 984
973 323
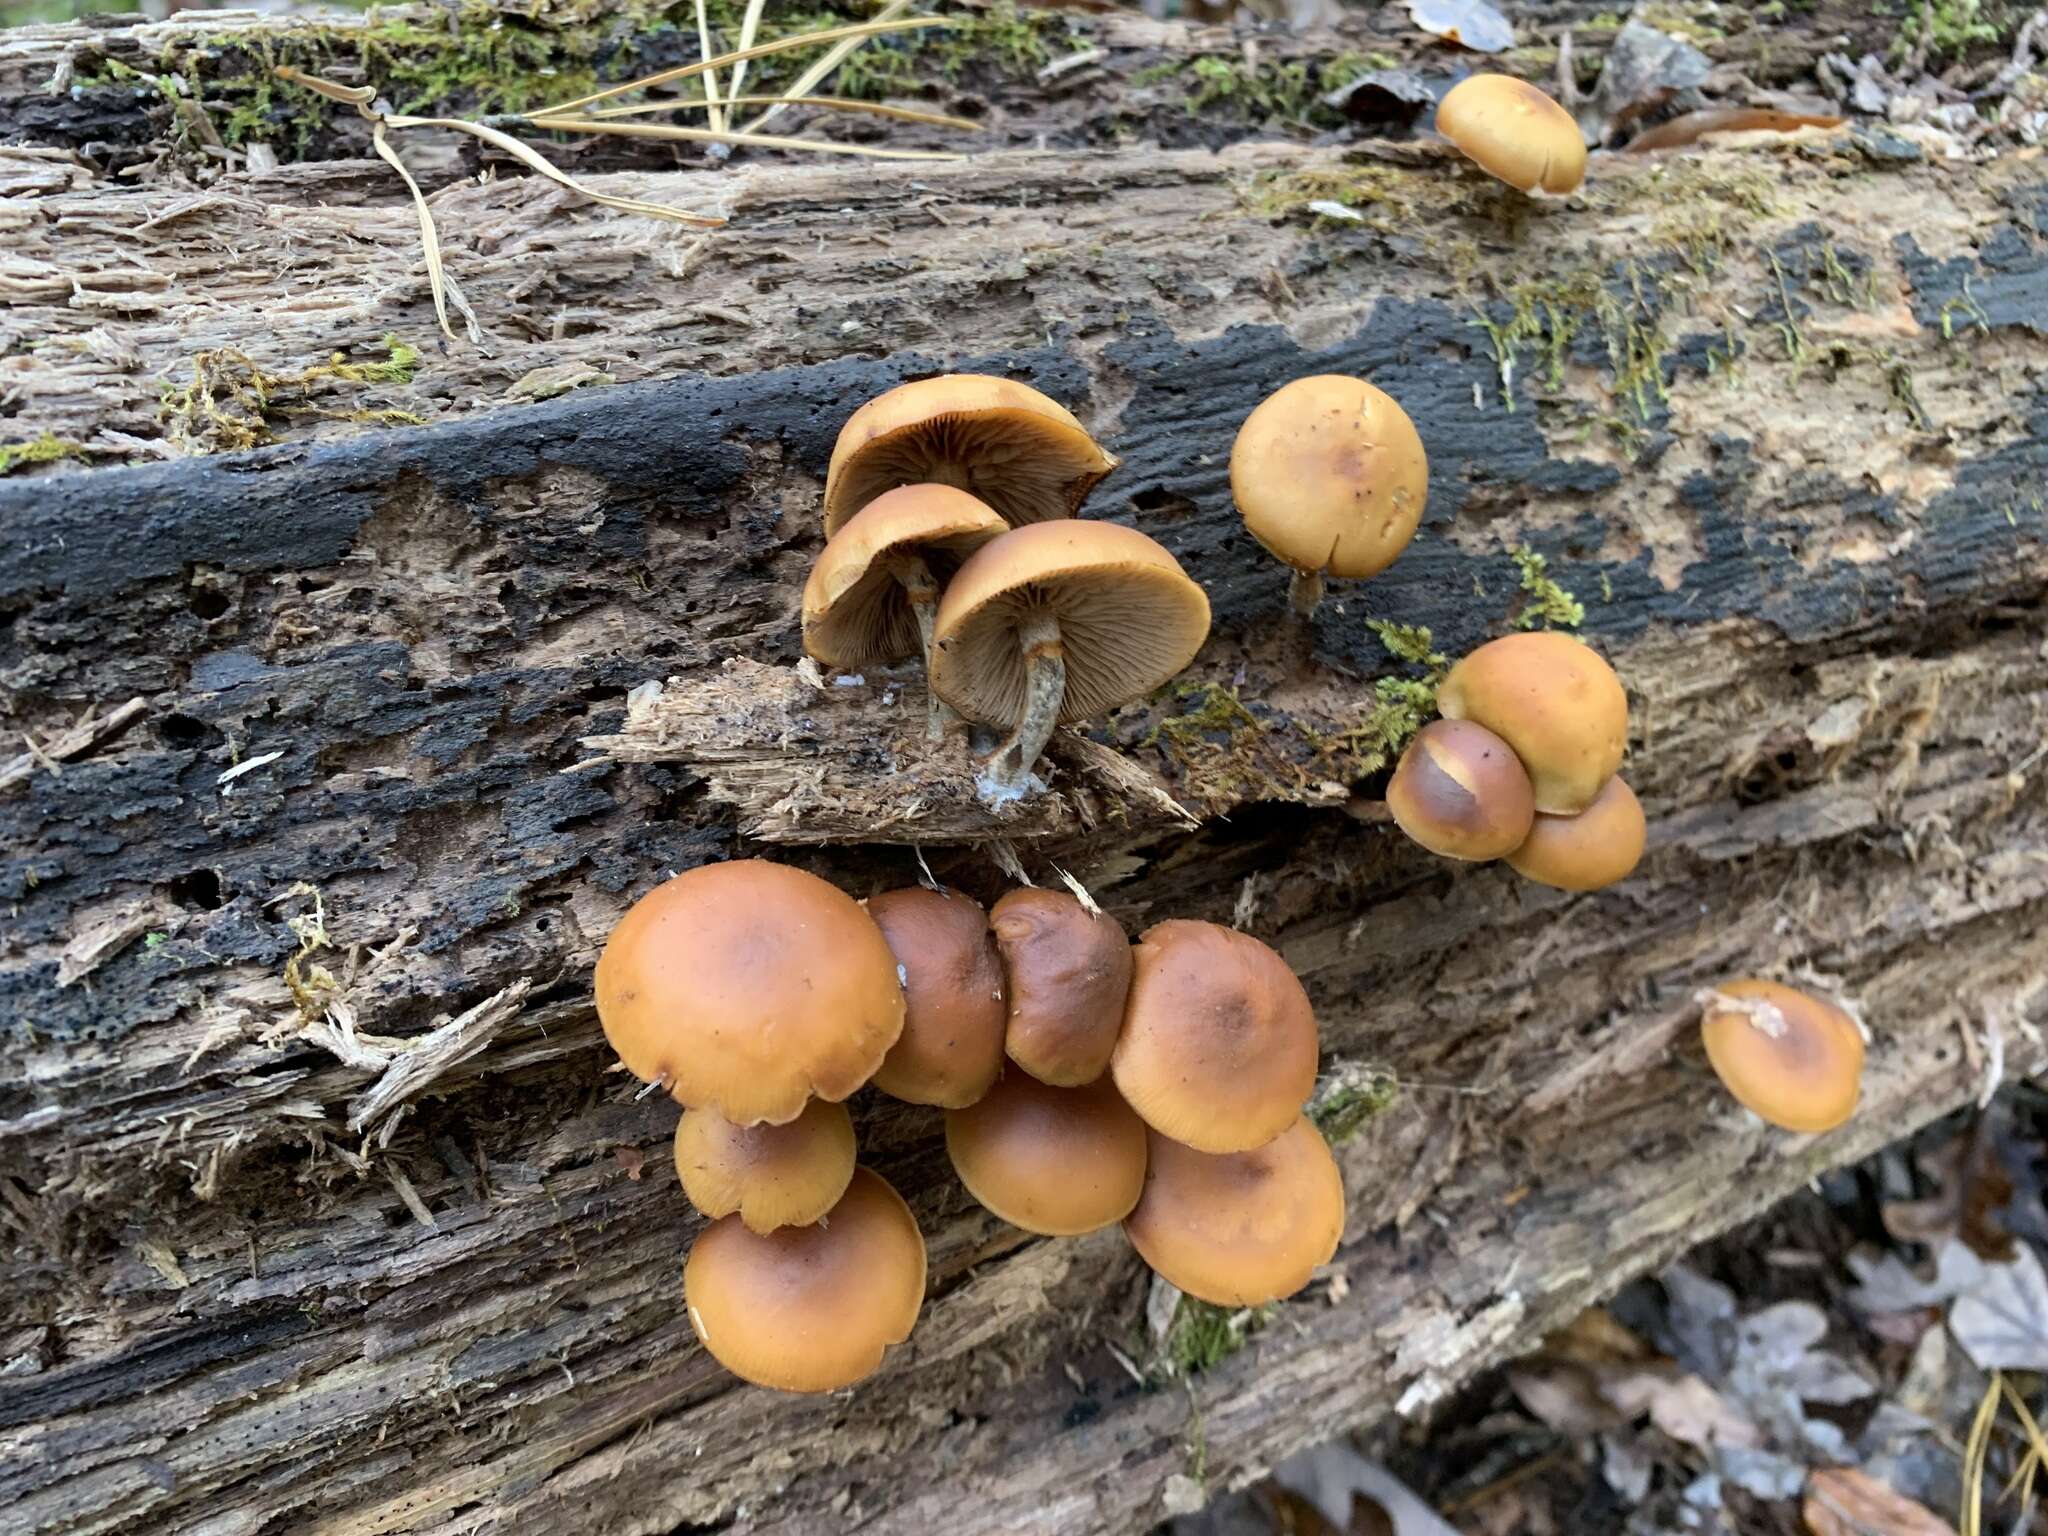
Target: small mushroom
951 1048
1595 848
874 592
1511 130
772 1175
1069 973
809 1309
1330 476
1789 1057
1243 1228
1461 792
1023 454
1056 1161
1550 697
748 987
1218 1049
1057 622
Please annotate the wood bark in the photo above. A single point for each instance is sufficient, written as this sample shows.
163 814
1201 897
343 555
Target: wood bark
324 1213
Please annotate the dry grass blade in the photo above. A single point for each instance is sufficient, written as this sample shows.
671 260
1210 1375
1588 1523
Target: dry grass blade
831 103
750 24
711 75
537 162
2037 1446
858 31
708 136
430 241
816 75
350 95
1976 1450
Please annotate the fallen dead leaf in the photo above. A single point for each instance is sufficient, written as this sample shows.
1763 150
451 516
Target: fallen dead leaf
1840 1501
1971 1190
2002 1321
1691 127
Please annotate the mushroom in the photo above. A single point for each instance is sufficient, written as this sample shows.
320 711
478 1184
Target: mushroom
1597 847
874 592
1513 131
951 1047
1330 476
1023 454
1218 1049
809 1309
772 1175
1791 1058
1550 697
1056 1161
1054 623
1461 792
1244 1228
1069 970
747 987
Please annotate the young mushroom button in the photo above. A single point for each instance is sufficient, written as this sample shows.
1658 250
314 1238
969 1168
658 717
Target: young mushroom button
747 987
1244 1228
1786 1056
1551 698
809 1309
1513 131
1023 454
952 1043
1595 848
1069 971
1055 623
1056 1161
770 1175
1461 792
1330 476
874 593
1218 1049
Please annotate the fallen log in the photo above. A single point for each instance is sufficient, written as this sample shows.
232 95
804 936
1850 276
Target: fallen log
1770 414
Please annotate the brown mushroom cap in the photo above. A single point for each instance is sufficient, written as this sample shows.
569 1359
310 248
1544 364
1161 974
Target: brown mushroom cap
1069 972
1461 792
1330 476
856 609
748 987
1023 454
1057 1161
772 1175
1597 847
1550 697
1244 1228
809 1309
1512 130
951 1048
1218 1049
1791 1058
1128 615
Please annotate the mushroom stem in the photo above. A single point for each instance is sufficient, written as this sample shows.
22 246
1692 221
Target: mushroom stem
1045 685
922 589
1305 591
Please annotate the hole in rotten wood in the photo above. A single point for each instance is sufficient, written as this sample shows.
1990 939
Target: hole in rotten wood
207 603
199 890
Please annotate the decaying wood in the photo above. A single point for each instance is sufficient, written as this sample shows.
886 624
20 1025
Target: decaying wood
323 1211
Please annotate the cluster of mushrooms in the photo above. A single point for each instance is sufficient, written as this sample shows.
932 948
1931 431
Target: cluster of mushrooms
1086 1081
951 516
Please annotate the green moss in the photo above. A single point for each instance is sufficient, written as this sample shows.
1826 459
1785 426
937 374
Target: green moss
1203 1336
1289 91
1942 29
47 448
1409 642
1349 1098
228 403
1679 23
1210 708
1550 606
1389 199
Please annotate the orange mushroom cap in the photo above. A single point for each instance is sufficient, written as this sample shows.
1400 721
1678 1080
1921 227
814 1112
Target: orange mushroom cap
856 607
809 1309
1461 792
1794 1060
1553 699
1069 973
951 1048
1218 1049
1514 131
772 1175
1022 453
1597 847
1243 1228
748 987
1330 476
1057 1161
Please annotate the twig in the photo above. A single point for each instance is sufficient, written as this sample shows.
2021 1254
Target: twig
833 103
87 733
713 136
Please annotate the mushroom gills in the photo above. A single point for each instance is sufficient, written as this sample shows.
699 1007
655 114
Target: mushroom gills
1008 773
921 591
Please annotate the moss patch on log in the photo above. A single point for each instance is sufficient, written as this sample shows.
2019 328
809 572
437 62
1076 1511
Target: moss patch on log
46 448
